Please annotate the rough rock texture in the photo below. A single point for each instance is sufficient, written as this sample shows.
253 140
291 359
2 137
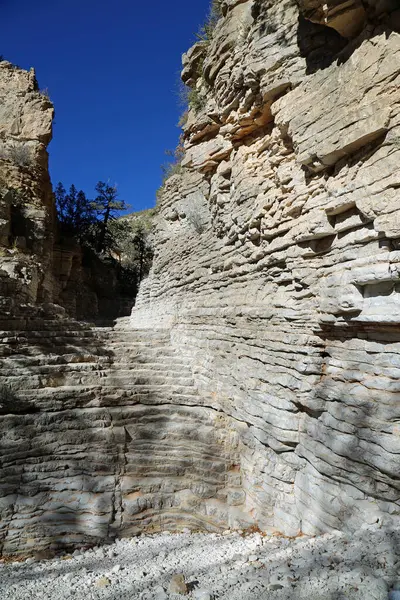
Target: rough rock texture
37 267
101 432
277 265
26 204
256 383
101 436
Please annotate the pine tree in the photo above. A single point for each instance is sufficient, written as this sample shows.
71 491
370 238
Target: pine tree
75 212
61 203
106 205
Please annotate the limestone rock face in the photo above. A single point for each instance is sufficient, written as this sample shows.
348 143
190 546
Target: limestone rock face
347 17
256 382
277 256
103 434
26 114
26 202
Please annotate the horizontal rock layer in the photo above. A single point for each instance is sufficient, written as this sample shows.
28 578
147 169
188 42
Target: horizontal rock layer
277 266
102 435
256 383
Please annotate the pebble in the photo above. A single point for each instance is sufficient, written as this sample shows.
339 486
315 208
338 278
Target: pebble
275 586
103 582
178 585
252 558
160 593
202 594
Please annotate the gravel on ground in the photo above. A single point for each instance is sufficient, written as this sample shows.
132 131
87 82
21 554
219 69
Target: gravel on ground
229 566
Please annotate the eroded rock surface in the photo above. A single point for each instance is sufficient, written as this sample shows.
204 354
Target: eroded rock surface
26 203
278 259
256 383
103 434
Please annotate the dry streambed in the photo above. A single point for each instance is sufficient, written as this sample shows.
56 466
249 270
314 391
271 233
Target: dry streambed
209 566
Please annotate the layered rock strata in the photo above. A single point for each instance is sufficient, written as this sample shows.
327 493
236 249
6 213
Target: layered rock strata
256 382
38 266
26 201
277 263
102 435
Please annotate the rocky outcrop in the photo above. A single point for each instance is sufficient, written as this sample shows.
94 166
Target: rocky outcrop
38 265
26 206
102 435
255 383
277 261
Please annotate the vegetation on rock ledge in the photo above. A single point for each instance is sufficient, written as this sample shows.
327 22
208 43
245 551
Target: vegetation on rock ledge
206 31
124 243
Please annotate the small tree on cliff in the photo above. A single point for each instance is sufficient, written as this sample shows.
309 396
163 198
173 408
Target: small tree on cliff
206 32
87 220
106 205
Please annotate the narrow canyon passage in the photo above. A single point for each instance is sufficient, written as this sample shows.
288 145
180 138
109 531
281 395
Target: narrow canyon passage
241 423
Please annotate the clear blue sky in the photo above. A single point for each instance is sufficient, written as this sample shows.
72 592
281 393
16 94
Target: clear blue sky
111 68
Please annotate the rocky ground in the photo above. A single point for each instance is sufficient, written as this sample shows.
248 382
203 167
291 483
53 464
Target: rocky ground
230 566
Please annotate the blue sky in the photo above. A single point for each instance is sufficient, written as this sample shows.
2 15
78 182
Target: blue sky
111 68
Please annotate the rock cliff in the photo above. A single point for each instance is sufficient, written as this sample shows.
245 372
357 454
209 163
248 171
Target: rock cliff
277 265
27 213
39 269
256 382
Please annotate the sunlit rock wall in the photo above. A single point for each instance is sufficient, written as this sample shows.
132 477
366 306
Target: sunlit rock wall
278 255
26 203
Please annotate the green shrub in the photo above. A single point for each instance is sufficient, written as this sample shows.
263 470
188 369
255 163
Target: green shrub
196 100
183 119
192 99
194 217
133 245
45 94
169 169
206 31
172 167
20 155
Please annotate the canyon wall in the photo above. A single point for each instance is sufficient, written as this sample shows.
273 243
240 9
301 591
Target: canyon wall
256 382
102 432
26 202
277 256
40 269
